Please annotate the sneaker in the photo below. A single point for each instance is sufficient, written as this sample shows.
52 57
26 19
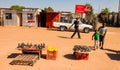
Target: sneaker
97 47
94 49
101 48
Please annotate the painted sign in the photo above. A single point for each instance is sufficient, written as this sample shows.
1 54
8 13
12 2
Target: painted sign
82 9
29 23
87 9
79 8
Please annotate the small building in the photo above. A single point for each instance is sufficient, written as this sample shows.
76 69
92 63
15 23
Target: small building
27 17
1 15
34 17
30 17
12 18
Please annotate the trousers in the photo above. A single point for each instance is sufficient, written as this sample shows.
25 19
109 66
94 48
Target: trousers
76 31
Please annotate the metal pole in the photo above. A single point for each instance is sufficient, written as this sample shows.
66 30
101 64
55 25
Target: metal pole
119 7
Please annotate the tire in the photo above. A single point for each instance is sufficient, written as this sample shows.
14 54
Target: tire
62 28
86 30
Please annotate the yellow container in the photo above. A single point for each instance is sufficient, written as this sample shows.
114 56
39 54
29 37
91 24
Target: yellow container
52 53
52 49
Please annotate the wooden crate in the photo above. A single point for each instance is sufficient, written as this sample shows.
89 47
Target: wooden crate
25 59
52 55
32 51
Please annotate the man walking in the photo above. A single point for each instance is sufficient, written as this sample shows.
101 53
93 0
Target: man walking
103 31
76 27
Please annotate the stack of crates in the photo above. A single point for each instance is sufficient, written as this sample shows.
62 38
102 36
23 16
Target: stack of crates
51 53
81 52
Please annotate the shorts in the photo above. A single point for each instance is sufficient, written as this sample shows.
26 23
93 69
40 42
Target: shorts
101 38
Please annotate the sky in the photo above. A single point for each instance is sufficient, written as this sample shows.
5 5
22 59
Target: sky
63 5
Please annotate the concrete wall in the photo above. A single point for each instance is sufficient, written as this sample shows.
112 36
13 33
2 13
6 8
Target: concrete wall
11 22
27 22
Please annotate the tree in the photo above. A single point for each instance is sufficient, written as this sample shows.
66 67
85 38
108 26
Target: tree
105 11
17 7
49 9
103 16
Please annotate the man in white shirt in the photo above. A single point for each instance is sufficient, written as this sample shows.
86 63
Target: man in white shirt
103 31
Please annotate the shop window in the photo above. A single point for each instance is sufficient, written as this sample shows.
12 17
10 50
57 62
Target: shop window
8 15
29 16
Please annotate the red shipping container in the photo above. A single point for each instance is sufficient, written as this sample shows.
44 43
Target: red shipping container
51 17
81 56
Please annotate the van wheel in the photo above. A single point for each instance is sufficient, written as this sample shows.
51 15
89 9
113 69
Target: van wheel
86 30
62 28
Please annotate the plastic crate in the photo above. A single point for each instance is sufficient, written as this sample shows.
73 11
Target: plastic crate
81 55
51 55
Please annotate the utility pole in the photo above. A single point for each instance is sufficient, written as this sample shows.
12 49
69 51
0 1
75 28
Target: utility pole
119 7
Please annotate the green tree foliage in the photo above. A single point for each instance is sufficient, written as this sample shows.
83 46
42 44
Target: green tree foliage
105 11
49 9
103 16
17 7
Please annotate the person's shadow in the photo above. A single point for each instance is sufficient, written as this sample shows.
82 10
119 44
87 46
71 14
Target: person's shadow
114 54
64 37
115 51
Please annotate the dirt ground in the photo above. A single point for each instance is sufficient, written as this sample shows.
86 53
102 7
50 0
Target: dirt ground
107 59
